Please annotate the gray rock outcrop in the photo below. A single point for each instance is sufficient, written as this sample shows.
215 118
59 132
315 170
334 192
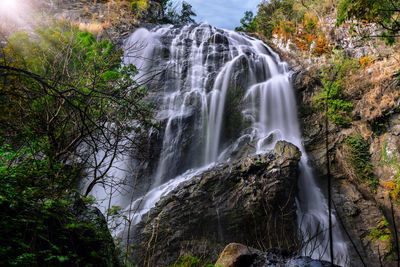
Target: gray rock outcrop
238 255
251 201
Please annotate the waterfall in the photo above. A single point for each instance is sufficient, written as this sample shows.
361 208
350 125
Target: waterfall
221 95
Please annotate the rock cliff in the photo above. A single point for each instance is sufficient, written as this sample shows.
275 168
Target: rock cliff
363 204
251 201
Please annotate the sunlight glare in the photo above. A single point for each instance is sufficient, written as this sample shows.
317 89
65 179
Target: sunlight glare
8 5
12 11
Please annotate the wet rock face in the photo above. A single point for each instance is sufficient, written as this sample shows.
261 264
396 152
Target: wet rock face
282 258
361 217
251 201
187 62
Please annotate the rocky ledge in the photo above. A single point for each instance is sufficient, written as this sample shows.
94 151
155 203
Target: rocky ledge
251 201
238 255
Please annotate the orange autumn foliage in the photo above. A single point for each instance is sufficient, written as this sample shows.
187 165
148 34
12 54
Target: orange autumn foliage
393 187
365 62
303 40
321 46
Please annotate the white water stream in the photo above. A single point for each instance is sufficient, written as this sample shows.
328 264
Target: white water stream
200 66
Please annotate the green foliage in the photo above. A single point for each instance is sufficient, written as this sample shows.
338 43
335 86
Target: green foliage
381 232
368 10
337 108
361 160
137 6
63 97
310 23
380 124
248 23
186 13
382 12
333 78
173 17
272 13
190 261
38 225
65 87
22 172
187 261
343 66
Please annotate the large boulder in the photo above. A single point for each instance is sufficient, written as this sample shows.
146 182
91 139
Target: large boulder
251 201
237 255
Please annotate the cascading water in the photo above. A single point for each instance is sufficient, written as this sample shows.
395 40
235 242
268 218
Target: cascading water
221 95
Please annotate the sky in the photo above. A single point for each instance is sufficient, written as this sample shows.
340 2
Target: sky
224 14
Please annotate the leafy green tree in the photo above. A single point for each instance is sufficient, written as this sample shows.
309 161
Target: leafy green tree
338 108
165 4
385 13
333 79
62 86
248 23
172 16
187 13
40 224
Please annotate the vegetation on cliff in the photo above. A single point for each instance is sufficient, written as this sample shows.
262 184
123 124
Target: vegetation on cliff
342 41
360 158
64 97
385 13
333 79
350 50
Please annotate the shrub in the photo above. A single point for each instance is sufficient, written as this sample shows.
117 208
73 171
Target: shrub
38 225
338 109
187 261
272 13
310 22
334 80
365 62
382 232
321 46
303 33
361 160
